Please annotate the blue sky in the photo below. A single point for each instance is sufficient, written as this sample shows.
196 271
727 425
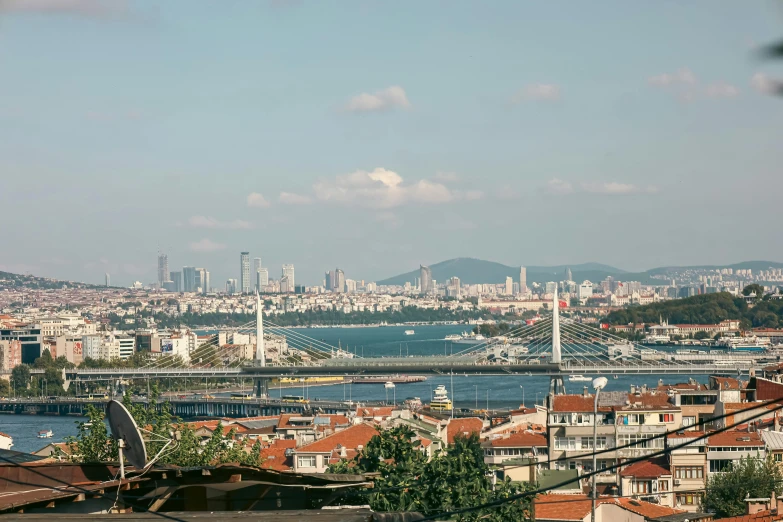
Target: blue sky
375 136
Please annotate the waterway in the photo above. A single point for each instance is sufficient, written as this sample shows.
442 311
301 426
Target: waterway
491 392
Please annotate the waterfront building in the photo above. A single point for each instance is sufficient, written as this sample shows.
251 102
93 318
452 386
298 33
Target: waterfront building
244 273
30 339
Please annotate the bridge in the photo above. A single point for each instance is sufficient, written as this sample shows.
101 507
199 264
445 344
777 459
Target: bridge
555 347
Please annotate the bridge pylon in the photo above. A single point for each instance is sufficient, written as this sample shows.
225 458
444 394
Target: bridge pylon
556 385
261 387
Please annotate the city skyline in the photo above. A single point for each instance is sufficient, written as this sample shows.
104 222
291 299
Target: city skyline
402 162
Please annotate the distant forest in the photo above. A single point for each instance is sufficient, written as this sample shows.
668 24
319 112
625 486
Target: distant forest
705 309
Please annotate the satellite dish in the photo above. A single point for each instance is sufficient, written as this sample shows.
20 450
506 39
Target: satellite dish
125 431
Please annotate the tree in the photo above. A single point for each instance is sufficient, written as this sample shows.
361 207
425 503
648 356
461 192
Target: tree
701 335
406 481
755 289
5 388
21 376
750 477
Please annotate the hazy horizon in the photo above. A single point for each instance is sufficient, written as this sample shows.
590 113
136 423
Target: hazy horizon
375 137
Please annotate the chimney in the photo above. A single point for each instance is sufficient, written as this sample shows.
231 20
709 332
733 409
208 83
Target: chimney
776 422
644 388
633 389
584 392
660 382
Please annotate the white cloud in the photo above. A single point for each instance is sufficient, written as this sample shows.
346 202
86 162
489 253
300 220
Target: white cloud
382 100
383 188
206 245
721 90
685 86
765 85
537 91
448 177
256 200
558 186
289 198
210 222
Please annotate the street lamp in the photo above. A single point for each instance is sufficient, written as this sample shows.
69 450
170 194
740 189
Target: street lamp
523 396
476 386
598 384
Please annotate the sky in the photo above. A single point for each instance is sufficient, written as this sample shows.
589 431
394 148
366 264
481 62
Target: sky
377 136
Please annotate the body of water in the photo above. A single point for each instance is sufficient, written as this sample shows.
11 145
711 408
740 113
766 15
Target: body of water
493 392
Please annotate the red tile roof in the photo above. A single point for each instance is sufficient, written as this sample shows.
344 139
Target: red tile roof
761 516
735 438
577 507
463 427
518 440
574 403
274 457
381 411
350 438
652 468
655 401
726 383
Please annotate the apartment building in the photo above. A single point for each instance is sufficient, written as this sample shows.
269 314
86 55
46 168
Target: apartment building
649 480
688 463
517 455
732 446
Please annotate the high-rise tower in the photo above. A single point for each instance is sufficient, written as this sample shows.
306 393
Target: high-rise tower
244 272
425 278
163 269
522 279
288 271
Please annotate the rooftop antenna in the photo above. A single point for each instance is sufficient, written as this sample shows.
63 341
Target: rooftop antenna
125 431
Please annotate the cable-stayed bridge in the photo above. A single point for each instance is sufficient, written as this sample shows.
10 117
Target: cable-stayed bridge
555 347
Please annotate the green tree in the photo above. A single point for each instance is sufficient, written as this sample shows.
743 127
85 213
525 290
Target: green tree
5 388
406 481
750 477
21 377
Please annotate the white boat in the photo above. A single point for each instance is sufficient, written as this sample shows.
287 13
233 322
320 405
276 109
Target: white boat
470 338
453 337
440 399
657 339
45 434
409 332
745 344
579 378
389 385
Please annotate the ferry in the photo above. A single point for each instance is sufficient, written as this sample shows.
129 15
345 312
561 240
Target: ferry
409 332
579 378
745 344
440 401
656 339
45 434
470 338
452 337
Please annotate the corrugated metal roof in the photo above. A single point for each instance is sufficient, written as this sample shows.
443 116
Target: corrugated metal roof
773 439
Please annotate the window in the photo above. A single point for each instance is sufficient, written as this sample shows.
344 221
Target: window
688 421
689 472
642 487
640 441
571 464
565 443
687 499
778 456
665 417
663 485
306 461
587 442
718 466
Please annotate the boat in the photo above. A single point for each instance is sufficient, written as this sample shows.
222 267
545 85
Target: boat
657 339
614 376
745 344
388 385
409 332
453 337
440 400
470 338
45 434
579 378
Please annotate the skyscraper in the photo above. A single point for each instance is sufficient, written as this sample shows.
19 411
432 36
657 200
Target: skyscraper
108 279
568 275
262 278
163 269
201 280
188 279
254 273
425 278
285 285
231 286
509 290
244 272
522 279
339 281
328 280
288 271
176 278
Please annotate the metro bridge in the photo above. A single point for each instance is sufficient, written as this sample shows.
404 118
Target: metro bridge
554 347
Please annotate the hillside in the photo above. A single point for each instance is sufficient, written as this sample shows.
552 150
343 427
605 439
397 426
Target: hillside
473 271
703 309
20 281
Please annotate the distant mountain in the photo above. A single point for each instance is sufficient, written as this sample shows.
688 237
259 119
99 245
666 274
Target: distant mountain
473 271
